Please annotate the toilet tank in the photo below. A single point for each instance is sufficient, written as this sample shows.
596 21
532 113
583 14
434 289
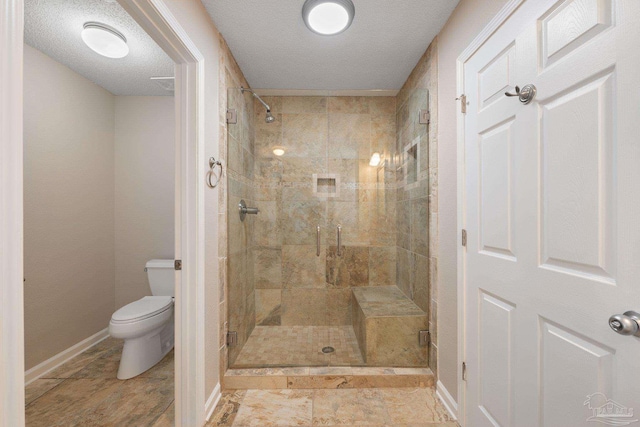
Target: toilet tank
161 275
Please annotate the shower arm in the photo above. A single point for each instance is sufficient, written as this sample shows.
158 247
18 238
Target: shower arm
255 95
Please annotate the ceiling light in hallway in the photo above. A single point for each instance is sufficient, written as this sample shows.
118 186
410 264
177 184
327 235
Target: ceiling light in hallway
105 40
278 151
328 17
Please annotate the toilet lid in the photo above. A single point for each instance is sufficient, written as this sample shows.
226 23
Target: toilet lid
142 309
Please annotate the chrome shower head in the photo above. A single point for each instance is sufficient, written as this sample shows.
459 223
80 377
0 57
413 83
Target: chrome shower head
269 118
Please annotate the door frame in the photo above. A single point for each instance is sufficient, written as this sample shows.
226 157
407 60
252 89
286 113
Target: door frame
158 21
498 20
11 211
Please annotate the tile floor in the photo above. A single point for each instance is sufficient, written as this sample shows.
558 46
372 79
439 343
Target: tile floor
86 392
397 407
300 346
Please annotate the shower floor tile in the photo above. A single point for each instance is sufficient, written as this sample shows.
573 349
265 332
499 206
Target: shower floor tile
300 346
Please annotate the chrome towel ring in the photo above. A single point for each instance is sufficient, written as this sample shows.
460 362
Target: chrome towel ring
212 165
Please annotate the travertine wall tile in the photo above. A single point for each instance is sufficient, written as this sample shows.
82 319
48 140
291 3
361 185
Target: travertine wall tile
304 307
303 104
349 104
348 270
385 219
302 268
382 266
268 307
267 261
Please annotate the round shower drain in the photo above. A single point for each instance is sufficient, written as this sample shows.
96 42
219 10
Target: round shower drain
328 349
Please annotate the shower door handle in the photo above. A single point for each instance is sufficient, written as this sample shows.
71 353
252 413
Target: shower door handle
318 241
339 250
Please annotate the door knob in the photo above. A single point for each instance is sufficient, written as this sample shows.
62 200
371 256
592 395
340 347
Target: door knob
525 95
626 324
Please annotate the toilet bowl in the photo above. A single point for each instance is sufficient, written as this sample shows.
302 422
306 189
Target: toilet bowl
146 325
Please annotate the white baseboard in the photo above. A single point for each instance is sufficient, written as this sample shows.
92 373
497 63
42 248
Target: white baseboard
447 400
212 402
64 356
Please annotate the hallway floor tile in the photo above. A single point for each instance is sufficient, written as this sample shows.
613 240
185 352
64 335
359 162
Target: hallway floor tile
400 407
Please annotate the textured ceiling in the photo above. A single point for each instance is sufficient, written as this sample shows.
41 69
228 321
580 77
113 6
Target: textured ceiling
54 27
276 50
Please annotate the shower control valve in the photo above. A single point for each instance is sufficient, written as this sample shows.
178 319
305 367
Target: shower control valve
245 210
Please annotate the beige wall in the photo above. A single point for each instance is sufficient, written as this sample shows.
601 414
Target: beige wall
68 207
144 190
99 202
196 22
468 19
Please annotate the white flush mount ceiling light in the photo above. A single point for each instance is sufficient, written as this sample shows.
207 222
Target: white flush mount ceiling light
105 40
278 151
328 17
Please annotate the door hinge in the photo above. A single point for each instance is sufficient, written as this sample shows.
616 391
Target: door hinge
177 264
425 117
464 238
232 338
424 338
232 116
464 371
463 103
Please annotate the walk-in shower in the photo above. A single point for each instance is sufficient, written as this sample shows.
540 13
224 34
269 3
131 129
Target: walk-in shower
337 257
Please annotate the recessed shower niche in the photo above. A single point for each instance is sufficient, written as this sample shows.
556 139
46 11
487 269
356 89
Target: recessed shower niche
411 162
326 185
292 291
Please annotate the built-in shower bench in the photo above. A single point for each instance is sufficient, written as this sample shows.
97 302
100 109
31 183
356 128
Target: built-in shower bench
387 325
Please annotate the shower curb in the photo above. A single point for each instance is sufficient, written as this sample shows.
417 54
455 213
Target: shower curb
327 378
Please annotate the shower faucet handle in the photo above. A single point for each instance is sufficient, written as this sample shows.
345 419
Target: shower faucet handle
244 210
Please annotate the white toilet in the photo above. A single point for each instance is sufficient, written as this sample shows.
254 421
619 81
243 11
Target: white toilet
146 325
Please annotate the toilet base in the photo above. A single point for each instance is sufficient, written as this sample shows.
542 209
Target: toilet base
141 354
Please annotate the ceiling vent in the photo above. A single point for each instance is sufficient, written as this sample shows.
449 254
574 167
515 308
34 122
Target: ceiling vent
166 83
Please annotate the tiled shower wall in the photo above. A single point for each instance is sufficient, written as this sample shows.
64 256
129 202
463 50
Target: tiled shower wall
334 136
417 207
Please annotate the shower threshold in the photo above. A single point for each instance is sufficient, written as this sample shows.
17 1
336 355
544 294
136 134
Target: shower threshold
327 377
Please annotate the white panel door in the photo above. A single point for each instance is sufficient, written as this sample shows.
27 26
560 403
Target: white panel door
552 212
